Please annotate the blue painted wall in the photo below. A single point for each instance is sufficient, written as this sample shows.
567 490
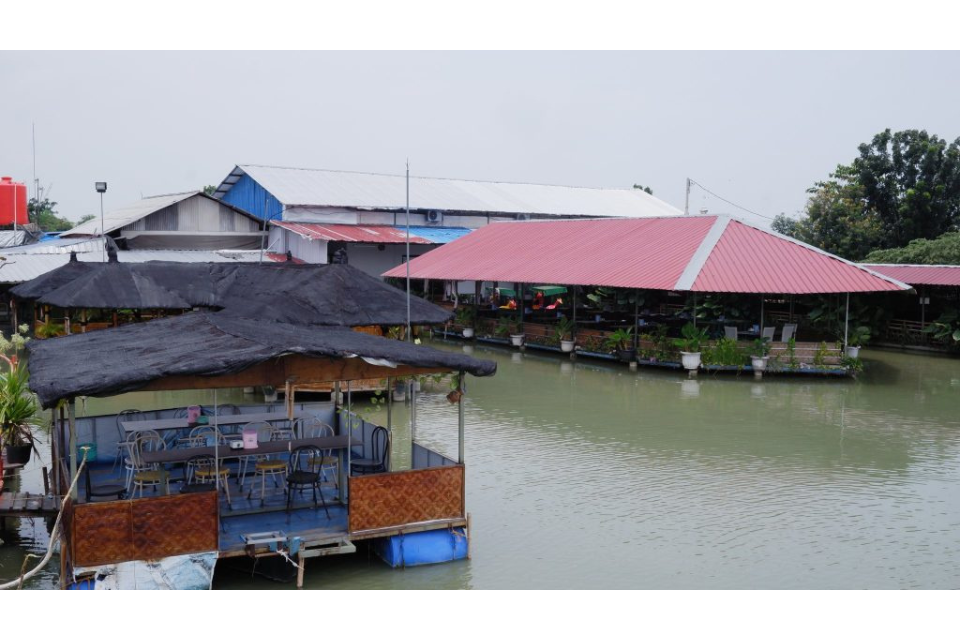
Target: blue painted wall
248 195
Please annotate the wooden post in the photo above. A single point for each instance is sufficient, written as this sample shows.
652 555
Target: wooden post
300 570
521 304
636 320
476 306
460 418
83 321
72 415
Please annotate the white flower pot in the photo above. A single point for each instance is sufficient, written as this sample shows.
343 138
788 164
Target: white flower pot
759 364
691 361
468 332
516 339
853 352
566 345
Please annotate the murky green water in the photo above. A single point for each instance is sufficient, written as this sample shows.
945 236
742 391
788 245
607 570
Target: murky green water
589 475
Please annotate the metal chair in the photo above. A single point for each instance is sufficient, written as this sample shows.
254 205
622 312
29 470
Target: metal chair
300 475
145 474
124 439
730 333
327 462
101 490
380 448
272 465
202 470
767 333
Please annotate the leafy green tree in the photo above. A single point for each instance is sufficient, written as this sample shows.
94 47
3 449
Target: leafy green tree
942 250
44 214
210 189
86 218
903 186
643 188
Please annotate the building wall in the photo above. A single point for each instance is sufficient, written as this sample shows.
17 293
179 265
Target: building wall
310 251
194 215
247 194
371 260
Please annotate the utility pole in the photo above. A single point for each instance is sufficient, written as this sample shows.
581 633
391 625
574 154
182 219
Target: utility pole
686 204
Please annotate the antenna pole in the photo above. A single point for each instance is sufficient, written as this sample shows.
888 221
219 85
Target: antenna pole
686 204
409 336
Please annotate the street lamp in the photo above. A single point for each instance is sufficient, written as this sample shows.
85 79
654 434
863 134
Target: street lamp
101 189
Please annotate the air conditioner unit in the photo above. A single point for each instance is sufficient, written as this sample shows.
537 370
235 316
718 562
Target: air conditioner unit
434 217
523 216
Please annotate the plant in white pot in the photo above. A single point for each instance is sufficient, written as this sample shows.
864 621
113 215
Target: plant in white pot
464 318
509 327
857 338
760 354
690 344
565 334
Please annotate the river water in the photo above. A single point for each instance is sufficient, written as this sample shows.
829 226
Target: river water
588 475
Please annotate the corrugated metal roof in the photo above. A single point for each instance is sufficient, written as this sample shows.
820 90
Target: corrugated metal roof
690 253
56 246
438 235
317 187
943 275
380 234
118 218
15 268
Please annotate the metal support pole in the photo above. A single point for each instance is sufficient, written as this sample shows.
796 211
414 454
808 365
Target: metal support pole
476 303
761 315
460 418
846 322
521 304
72 417
694 309
636 320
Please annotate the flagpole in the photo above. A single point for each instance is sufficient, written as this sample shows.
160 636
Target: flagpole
409 336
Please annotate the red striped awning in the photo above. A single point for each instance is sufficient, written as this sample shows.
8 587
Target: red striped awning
376 234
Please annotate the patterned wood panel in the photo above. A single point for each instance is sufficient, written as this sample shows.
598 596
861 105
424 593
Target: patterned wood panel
144 529
102 533
406 497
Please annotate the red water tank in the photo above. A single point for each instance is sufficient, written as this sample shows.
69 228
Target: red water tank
13 202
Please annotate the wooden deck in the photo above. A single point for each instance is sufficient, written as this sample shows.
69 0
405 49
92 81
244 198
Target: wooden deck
27 505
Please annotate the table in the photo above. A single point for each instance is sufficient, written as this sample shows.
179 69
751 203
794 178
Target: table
172 456
132 426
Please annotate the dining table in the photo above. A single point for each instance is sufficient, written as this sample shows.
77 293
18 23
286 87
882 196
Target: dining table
167 424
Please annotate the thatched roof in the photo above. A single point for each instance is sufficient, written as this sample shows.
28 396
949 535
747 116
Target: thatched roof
328 295
110 362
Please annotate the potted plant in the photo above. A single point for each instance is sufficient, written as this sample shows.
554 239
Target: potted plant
621 341
857 338
509 327
690 344
464 318
18 415
565 334
760 354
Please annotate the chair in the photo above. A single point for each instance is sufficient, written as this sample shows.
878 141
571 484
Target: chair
300 475
145 474
789 330
327 462
380 448
228 410
202 470
767 333
101 490
730 333
271 465
124 438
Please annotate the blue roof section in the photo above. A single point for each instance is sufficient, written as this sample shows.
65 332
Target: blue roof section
437 235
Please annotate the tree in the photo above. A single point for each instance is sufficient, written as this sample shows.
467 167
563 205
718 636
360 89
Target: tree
643 188
903 186
943 250
86 218
210 189
43 214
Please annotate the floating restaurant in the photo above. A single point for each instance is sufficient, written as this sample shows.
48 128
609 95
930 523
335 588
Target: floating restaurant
154 499
645 290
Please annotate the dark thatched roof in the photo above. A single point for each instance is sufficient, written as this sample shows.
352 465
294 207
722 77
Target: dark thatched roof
114 361
328 295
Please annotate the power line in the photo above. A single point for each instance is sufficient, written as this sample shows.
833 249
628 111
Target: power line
729 202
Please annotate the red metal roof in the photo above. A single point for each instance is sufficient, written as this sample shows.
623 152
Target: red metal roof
942 275
379 234
691 253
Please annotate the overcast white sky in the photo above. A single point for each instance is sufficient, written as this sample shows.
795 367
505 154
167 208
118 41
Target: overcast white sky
755 128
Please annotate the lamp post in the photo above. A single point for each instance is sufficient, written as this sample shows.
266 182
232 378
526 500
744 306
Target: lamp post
101 189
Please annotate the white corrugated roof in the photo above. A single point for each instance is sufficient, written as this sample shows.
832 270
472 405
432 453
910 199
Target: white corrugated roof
21 267
128 214
317 187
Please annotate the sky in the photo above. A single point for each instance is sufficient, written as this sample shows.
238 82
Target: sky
756 128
